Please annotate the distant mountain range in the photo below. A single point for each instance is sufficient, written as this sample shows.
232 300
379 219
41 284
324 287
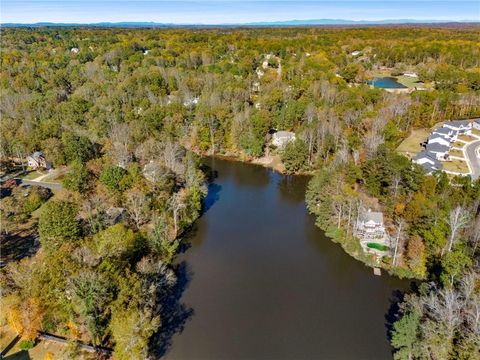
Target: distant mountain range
310 22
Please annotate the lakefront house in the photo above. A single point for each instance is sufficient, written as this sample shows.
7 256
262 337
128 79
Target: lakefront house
370 230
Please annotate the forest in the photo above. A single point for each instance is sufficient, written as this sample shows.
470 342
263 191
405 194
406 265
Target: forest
127 113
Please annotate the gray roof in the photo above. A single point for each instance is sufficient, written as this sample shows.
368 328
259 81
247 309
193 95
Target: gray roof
430 156
477 120
437 136
443 130
429 168
435 147
457 122
37 154
372 215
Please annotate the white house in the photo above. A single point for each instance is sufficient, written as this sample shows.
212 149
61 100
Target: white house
446 132
462 126
281 138
428 161
410 74
439 150
37 161
370 228
75 50
438 139
476 124
356 53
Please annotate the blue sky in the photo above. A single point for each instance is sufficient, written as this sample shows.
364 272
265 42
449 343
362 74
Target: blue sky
231 11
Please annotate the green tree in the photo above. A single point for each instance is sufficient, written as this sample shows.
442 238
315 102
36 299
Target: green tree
57 224
112 177
77 148
404 336
77 177
295 155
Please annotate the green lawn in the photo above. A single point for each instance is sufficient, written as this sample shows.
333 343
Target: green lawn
476 132
411 145
455 165
377 246
410 82
456 152
31 175
467 138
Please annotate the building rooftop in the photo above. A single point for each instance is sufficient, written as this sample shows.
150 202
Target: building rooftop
430 156
374 216
457 122
435 147
442 131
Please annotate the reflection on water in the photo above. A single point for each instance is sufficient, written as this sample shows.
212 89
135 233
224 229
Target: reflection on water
265 283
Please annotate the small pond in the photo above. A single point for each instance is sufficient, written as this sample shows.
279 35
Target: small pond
386 83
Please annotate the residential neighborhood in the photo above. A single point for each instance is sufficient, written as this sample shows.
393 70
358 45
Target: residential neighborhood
453 147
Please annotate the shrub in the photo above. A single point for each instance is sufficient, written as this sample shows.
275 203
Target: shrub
112 177
26 344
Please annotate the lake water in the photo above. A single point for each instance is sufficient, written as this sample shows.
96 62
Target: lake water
386 83
263 282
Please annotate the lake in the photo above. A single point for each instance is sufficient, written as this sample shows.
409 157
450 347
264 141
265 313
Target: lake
386 83
263 282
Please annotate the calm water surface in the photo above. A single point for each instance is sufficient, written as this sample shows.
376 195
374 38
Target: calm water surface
387 83
265 283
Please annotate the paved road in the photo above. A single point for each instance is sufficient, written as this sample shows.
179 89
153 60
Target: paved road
473 158
51 186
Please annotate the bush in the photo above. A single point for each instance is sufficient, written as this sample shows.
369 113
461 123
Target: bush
112 177
26 344
77 178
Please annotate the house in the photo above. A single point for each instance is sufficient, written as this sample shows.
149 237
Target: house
410 74
281 138
439 150
75 50
446 132
428 161
438 139
370 227
356 53
37 161
461 126
476 124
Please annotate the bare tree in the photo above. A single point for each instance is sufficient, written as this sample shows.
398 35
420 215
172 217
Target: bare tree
397 179
176 203
399 227
475 234
137 206
457 220
120 150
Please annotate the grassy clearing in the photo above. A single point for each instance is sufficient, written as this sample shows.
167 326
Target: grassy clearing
410 82
458 144
31 175
456 165
467 138
476 132
456 152
411 145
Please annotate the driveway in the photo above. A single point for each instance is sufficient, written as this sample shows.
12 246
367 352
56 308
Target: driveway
48 185
473 158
